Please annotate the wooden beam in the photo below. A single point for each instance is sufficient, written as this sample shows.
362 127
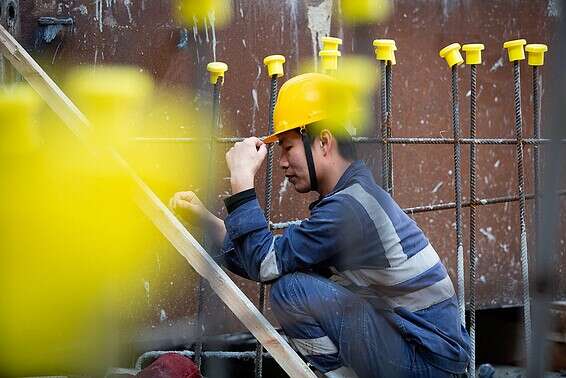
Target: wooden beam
160 215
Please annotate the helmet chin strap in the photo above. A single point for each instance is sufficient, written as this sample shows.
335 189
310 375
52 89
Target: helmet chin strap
307 143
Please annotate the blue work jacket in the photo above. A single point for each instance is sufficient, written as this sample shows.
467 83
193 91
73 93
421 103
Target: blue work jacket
360 238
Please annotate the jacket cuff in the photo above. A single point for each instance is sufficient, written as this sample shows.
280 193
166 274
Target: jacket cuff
246 218
238 199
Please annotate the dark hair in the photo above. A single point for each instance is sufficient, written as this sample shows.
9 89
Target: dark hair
346 146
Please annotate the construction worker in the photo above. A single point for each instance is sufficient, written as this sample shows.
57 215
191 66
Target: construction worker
357 287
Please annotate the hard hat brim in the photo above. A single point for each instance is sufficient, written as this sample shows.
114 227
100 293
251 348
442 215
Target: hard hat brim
274 137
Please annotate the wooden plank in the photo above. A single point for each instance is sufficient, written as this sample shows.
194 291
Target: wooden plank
160 215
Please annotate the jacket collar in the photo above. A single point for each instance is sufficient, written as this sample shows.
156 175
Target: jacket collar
353 170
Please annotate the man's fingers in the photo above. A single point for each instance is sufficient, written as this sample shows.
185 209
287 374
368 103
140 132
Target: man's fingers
262 150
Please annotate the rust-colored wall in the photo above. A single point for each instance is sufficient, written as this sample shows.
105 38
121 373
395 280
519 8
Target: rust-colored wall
143 33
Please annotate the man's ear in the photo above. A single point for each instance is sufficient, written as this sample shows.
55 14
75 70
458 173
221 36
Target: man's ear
326 141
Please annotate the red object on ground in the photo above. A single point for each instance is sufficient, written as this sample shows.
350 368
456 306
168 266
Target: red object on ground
171 365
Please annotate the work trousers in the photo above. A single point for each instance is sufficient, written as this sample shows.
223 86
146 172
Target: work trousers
340 333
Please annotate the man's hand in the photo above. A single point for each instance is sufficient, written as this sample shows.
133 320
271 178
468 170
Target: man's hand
244 160
189 208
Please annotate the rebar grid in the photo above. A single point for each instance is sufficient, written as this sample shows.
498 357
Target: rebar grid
387 140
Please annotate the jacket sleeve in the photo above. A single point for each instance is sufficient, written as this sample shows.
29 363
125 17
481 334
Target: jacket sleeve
332 226
229 259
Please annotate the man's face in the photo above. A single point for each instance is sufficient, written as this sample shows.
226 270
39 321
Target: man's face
293 161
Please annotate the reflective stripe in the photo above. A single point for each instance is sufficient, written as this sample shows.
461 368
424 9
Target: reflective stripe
411 268
385 229
426 297
341 372
268 269
314 347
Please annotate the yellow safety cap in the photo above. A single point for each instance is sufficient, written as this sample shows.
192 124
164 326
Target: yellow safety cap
274 65
216 70
473 52
385 50
331 43
515 49
535 56
452 54
329 59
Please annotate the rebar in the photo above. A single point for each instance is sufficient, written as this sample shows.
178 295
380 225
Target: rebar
458 194
522 206
208 201
383 126
473 177
267 211
537 83
389 148
363 140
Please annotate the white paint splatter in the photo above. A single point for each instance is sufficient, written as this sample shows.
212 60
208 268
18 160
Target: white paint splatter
487 232
319 18
82 9
212 19
162 315
146 287
128 4
553 8
98 13
437 187
283 189
497 163
294 28
496 65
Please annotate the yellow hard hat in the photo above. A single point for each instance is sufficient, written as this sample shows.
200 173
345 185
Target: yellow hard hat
309 98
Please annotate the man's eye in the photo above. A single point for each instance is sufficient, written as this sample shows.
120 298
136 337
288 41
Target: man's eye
288 148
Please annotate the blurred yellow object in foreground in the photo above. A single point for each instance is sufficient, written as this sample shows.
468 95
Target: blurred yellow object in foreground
111 97
192 12
365 11
18 129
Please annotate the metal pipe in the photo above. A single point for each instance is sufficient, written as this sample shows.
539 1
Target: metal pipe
458 194
522 206
473 177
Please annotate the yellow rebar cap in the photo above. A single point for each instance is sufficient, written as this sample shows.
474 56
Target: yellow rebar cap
216 70
18 107
329 59
473 52
274 65
385 50
515 49
331 43
452 54
536 53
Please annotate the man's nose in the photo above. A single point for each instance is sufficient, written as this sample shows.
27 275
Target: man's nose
283 162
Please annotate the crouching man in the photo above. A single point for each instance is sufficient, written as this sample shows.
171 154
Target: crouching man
357 287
